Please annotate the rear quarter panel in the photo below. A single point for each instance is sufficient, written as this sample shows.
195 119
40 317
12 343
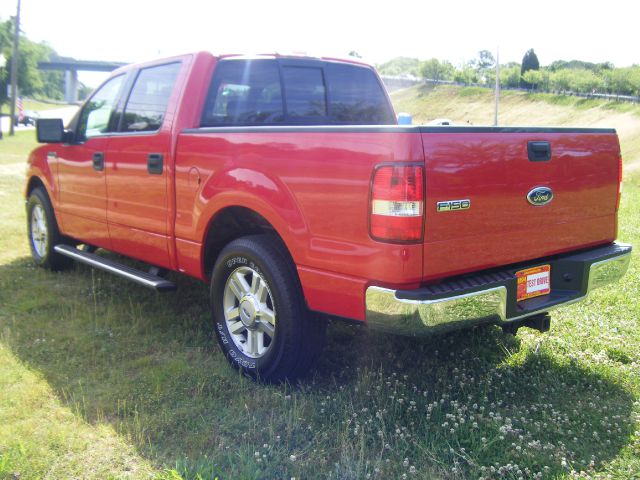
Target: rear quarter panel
313 187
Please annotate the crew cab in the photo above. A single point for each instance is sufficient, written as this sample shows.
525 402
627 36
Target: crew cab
287 185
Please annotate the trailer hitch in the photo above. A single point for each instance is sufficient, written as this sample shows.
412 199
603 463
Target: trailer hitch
540 322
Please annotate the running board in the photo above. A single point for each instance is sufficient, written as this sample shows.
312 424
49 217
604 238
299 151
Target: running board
143 278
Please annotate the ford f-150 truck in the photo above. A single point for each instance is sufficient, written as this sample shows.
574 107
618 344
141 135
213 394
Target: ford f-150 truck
286 183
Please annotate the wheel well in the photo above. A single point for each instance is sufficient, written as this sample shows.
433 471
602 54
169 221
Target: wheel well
35 182
229 224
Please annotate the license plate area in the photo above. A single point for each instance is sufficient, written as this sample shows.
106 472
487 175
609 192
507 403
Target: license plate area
533 282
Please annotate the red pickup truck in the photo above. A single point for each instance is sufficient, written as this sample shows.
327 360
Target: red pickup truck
286 183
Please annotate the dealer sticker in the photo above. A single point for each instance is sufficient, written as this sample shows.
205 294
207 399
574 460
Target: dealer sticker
533 282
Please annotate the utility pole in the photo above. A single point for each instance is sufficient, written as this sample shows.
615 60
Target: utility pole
3 63
14 72
495 118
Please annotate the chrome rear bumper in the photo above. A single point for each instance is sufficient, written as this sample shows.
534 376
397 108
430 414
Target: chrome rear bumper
490 297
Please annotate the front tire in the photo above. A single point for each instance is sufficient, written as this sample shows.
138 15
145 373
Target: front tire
43 232
261 321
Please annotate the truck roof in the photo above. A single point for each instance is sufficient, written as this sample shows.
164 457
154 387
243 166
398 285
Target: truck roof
297 55
242 56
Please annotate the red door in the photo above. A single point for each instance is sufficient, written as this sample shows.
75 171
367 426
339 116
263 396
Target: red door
82 201
137 162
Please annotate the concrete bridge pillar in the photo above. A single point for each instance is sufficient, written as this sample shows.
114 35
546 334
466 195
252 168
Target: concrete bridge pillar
71 86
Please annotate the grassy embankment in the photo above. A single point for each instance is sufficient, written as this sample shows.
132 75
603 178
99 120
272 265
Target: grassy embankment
102 379
473 105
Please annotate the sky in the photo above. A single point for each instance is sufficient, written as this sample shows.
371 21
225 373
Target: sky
140 30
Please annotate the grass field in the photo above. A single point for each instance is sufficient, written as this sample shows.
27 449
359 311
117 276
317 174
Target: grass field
103 379
39 106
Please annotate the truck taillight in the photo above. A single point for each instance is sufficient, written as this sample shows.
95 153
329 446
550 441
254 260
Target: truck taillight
619 182
397 203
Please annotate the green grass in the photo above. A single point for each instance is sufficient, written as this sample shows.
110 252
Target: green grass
103 379
580 102
16 149
38 106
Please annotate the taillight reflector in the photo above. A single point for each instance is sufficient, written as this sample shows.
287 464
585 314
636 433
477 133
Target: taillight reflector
397 203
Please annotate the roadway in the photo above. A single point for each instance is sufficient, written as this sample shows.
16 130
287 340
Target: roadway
65 113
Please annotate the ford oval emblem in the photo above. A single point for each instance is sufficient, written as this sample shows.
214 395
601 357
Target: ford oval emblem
539 196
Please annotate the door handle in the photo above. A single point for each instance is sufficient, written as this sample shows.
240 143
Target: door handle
98 161
539 151
155 163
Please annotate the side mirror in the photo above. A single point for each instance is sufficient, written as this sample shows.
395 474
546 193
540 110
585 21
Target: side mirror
50 130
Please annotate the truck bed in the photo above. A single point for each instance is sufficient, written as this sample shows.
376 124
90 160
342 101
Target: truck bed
312 183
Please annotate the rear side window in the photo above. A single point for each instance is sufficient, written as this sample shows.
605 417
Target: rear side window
244 92
147 104
357 96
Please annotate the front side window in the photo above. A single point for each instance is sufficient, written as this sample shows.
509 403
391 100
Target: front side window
147 104
98 111
244 92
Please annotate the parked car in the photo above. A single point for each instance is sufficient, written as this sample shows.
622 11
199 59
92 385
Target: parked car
27 118
286 185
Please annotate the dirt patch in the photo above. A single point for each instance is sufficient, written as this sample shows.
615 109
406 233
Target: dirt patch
632 167
13 169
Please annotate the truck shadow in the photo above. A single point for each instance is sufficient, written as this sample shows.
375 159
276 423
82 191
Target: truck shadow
148 365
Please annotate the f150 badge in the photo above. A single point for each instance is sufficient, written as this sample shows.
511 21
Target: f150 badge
539 196
453 205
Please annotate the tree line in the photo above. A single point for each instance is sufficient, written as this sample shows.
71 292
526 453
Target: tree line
566 76
560 75
31 81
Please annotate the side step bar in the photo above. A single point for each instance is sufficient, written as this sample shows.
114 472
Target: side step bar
143 278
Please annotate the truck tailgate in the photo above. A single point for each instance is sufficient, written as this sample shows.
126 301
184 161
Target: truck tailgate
491 167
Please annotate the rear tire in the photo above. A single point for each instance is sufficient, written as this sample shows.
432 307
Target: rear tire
43 232
261 321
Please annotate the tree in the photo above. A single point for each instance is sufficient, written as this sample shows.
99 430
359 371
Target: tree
400 66
529 62
485 60
561 80
5 49
437 70
586 81
510 76
31 80
537 79
466 73
623 81
485 66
